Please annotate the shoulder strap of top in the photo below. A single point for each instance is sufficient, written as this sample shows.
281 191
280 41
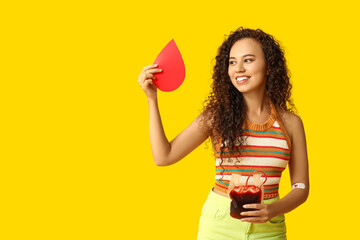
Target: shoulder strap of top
278 119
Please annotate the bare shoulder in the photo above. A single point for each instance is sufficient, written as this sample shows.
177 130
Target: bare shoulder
292 123
206 123
205 120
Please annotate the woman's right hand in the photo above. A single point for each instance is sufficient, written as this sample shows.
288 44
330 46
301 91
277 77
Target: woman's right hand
145 80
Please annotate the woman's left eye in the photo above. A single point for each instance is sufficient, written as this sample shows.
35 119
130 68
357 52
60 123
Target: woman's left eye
246 60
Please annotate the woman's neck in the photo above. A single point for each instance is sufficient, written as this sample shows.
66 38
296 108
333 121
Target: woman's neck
257 105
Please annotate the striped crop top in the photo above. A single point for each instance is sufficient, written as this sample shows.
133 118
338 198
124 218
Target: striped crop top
266 147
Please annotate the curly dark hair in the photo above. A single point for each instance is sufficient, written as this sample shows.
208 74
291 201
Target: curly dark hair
226 109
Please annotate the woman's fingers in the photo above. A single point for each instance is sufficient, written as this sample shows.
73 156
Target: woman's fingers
147 73
257 216
252 213
142 76
147 82
146 78
255 206
154 70
149 67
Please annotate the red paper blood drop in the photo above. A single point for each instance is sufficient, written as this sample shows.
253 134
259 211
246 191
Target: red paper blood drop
173 68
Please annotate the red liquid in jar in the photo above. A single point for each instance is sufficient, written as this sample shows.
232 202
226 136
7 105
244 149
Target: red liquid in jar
242 195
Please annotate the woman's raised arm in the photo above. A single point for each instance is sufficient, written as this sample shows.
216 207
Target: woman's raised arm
164 152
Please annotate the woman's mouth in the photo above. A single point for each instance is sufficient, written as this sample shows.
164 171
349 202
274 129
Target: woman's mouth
241 80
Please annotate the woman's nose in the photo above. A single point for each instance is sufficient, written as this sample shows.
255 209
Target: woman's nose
240 67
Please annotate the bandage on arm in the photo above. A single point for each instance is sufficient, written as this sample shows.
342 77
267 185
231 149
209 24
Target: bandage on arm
298 185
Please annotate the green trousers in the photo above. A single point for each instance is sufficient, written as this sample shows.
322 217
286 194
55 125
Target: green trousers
217 224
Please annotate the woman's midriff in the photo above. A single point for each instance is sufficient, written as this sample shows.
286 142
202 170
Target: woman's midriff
219 192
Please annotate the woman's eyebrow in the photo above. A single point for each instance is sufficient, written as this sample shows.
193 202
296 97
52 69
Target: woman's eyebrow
246 55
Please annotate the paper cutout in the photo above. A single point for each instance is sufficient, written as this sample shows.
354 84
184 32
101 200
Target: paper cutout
173 68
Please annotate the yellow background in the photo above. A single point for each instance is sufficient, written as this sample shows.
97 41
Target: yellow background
75 155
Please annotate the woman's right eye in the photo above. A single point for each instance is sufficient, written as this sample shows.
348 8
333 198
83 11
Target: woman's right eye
231 62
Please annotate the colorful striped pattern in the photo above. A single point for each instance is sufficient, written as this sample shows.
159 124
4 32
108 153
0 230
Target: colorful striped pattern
266 147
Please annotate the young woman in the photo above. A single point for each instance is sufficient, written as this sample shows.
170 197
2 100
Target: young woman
251 128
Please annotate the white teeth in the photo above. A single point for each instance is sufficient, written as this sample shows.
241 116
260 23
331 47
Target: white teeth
241 78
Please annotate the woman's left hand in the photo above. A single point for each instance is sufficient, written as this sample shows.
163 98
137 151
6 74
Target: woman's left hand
262 215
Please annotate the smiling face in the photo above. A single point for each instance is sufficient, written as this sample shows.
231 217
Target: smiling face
247 66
